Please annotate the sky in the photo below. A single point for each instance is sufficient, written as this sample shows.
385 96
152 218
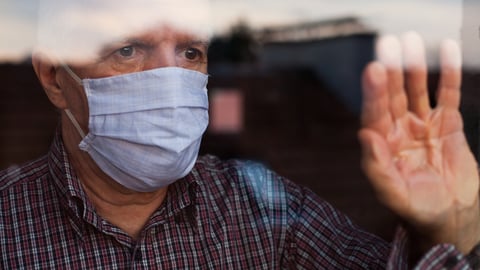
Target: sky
433 19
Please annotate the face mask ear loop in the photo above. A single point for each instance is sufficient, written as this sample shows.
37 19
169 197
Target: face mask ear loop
67 111
72 74
75 123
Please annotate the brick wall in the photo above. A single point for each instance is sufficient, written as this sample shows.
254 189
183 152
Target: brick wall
27 119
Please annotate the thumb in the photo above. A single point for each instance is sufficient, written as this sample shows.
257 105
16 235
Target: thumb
378 166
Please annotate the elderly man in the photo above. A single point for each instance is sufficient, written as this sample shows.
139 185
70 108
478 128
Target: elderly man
122 187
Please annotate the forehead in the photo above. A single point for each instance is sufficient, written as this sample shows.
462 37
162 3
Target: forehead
78 29
158 34
163 32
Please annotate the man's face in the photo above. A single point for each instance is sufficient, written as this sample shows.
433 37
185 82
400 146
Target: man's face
158 47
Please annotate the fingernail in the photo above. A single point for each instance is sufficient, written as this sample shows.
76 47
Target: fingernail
450 54
414 50
389 52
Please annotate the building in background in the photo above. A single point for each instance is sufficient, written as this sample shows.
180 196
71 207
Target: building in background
336 51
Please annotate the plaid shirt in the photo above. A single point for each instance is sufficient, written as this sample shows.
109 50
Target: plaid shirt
223 215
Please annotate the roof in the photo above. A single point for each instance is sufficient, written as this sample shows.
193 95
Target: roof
315 30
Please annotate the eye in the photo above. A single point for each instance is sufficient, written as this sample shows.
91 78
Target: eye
127 51
193 54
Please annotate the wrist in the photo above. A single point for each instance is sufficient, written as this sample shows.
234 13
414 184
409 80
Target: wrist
461 229
468 230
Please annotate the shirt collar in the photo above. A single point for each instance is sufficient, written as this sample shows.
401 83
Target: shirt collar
63 174
179 204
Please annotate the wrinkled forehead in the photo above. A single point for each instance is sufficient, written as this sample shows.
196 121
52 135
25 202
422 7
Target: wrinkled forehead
76 30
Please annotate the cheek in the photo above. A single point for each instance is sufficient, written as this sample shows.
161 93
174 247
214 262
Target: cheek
204 69
110 68
77 103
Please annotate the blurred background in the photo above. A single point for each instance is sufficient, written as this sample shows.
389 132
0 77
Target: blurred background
284 87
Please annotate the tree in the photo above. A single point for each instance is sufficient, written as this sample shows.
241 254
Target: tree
238 46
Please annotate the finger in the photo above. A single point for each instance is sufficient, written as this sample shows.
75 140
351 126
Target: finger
389 53
417 89
450 80
375 107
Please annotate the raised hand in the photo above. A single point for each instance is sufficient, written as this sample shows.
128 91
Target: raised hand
416 157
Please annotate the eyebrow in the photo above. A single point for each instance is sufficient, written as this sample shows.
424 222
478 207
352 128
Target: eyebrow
203 43
140 41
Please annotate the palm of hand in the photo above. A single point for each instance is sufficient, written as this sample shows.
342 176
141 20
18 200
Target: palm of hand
417 158
428 165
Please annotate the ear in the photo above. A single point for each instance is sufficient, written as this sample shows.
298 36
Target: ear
46 71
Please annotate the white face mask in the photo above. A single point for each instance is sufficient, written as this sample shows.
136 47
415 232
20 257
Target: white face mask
145 128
